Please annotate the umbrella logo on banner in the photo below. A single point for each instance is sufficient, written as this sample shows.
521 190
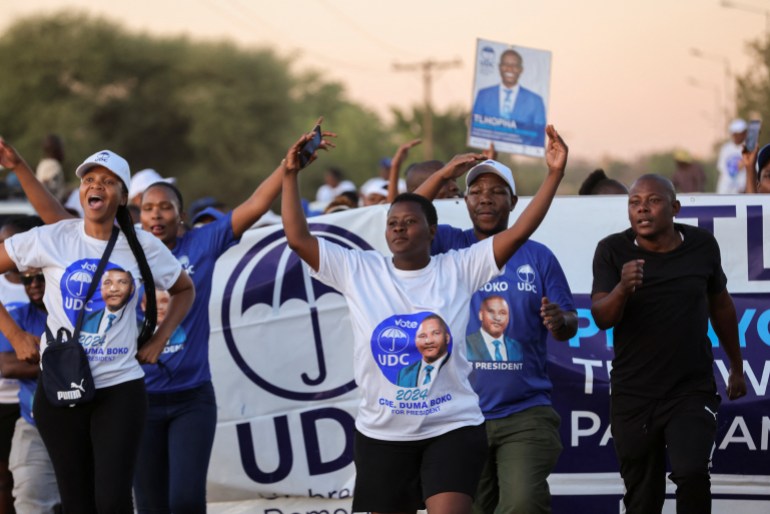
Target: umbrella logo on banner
277 275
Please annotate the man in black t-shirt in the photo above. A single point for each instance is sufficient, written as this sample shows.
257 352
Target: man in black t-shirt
657 284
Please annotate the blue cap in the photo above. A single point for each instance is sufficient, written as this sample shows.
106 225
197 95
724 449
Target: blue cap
201 203
208 211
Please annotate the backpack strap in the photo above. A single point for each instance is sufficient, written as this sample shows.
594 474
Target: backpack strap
60 334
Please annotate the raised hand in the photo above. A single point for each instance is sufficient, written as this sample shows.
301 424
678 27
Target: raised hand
490 153
749 160
9 157
292 161
403 151
556 151
460 164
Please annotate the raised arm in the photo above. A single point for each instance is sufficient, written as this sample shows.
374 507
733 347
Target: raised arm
182 297
725 323
294 222
46 204
395 167
247 213
456 168
508 241
750 163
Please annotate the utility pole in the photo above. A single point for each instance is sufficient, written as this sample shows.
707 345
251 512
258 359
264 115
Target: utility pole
427 68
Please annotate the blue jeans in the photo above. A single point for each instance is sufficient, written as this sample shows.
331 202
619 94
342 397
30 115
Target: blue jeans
175 451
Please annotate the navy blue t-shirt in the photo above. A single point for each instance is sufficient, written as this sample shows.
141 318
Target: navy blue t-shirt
517 378
185 359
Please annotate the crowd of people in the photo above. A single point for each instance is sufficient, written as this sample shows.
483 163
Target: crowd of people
735 174
148 433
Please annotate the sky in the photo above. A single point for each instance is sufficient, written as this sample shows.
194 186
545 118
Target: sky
624 78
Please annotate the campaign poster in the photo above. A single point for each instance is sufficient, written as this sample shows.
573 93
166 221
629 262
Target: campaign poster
510 98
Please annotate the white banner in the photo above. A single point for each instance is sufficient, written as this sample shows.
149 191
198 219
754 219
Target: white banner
281 353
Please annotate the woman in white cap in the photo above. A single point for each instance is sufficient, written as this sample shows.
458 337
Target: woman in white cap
93 446
179 432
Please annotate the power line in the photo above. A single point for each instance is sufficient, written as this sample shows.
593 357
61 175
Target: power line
246 21
353 24
427 68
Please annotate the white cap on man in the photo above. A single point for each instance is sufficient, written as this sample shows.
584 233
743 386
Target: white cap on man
494 167
738 125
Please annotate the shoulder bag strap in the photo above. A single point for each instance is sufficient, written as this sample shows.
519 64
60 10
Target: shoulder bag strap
94 281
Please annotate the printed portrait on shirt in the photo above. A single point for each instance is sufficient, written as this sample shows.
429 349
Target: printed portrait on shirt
116 290
410 349
178 337
491 342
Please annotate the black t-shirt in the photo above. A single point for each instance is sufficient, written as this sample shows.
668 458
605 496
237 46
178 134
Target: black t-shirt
661 343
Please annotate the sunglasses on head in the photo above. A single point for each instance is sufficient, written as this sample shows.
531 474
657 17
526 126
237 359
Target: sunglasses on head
28 278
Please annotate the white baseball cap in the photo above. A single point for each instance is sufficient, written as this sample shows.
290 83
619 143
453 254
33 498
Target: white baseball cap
737 126
144 179
375 185
490 166
110 160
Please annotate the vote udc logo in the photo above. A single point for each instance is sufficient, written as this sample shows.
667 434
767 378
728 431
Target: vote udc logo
74 286
487 60
287 332
401 342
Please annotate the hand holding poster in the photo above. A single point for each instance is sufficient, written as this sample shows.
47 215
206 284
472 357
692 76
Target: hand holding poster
510 98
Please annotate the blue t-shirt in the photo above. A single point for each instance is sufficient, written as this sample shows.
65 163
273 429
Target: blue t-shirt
31 319
185 359
516 379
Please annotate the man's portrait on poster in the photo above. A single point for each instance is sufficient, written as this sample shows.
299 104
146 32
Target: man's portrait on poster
512 110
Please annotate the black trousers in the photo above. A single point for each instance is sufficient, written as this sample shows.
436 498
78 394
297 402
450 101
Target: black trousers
93 447
644 430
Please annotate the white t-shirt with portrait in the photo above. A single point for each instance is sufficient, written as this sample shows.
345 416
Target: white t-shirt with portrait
387 306
69 257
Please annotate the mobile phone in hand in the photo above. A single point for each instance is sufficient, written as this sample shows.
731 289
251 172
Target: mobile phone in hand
752 136
310 146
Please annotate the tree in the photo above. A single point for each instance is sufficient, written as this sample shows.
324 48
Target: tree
753 88
217 117
363 138
450 131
